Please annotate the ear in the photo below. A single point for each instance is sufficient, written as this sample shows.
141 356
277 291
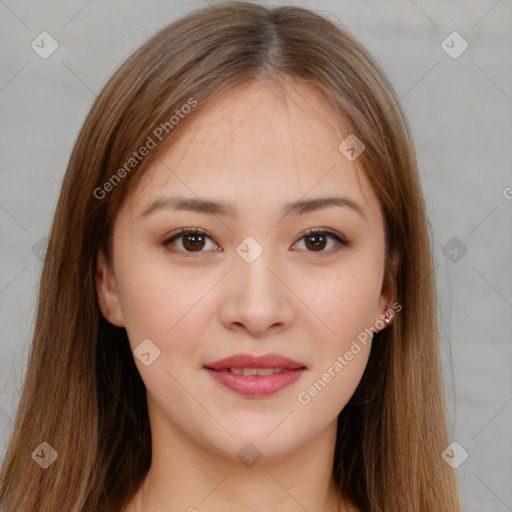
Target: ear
108 300
387 304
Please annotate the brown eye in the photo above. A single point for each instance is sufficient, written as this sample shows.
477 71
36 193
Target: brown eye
316 241
192 240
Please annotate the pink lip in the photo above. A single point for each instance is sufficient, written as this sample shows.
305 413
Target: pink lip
255 361
256 385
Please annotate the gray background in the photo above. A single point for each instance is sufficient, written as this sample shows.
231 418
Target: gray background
460 111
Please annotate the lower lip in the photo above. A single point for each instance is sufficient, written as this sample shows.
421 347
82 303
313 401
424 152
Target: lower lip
256 385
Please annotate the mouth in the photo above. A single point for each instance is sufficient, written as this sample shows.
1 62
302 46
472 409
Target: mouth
255 376
262 372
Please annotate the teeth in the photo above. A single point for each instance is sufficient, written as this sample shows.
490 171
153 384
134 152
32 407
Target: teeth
256 371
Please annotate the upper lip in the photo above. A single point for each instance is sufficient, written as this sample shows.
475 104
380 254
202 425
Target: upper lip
255 361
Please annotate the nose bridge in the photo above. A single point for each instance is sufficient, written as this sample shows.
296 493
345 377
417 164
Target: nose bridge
256 297
253 268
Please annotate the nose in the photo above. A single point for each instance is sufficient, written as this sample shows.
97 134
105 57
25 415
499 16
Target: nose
256 298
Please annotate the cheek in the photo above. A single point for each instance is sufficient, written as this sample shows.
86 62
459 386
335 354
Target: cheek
346 304
344 300
328 390
158 300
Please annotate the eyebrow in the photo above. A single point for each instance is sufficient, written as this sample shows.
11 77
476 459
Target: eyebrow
209 207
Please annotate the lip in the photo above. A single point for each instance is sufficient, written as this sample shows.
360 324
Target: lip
256 385
255 361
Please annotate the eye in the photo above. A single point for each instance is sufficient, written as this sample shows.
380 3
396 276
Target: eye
316 240
193 240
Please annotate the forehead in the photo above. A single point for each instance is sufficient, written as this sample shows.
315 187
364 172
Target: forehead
258 140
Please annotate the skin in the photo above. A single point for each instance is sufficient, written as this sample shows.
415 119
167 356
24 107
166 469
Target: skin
257 152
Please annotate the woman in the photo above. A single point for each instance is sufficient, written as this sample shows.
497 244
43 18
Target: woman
237 307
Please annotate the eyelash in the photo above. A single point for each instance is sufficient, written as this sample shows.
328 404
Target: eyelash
196 231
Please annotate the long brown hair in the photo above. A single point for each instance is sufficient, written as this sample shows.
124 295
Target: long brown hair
82 393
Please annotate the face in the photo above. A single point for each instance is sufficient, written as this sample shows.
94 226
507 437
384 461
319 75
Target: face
252 280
